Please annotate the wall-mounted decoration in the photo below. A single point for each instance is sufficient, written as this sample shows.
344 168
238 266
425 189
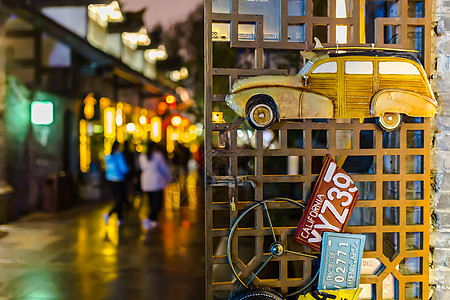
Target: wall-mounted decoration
384 85
243 45
340 263
329 207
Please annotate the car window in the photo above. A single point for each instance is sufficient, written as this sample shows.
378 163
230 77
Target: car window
397 68
358 67
328 67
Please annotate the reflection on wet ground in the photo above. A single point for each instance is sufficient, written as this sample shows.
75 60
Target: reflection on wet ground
73 255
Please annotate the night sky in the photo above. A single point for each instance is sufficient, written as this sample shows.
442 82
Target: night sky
165 12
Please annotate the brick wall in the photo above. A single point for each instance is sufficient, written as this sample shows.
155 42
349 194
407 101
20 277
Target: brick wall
440 200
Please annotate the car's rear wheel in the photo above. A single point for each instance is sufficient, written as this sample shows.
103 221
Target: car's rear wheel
390 121
261 112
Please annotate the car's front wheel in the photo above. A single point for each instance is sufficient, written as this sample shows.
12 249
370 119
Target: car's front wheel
261 112
390 121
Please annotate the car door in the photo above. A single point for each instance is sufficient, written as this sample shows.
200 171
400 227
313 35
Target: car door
323 79
358 88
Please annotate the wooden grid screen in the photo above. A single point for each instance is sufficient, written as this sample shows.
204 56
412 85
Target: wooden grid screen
392 170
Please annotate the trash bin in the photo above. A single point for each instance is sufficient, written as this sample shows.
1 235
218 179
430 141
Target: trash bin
57 192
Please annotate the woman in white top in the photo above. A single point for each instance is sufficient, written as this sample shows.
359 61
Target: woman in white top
155 176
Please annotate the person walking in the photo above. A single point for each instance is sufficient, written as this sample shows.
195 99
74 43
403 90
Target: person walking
130 178
155 176
116 170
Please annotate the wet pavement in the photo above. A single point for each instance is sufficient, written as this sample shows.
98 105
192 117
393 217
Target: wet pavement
73 255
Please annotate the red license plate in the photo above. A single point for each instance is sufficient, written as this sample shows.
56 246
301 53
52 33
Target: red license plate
330 206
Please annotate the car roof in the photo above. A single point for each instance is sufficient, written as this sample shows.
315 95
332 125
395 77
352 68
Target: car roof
408 55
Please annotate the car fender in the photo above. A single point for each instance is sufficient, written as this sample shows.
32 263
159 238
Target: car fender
402 101
286 100
314 105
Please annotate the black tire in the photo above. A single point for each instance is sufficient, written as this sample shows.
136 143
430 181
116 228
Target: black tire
257 294
390 121
261 112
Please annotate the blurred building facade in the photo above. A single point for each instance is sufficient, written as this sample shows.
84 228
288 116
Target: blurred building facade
74 77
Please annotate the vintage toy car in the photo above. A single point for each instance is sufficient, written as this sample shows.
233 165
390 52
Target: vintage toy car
381 84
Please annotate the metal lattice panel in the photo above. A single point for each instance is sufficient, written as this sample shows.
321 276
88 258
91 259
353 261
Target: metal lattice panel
392 170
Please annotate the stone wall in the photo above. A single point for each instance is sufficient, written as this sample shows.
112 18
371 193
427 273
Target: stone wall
440 200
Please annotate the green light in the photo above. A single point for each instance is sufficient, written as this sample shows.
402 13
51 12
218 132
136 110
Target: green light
41 112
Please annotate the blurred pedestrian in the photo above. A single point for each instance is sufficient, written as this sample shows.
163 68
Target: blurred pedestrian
155 176
130 178
116 170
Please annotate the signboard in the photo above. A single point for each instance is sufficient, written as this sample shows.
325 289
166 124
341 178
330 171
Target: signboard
341 260
329 208
332 295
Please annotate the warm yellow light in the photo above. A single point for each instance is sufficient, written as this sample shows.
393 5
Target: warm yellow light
192 130
119 118
185 122
184 94
85 149
131 127
134 39
175 75
170 99
184 73
103 13
139 148
162 107
193 148
109 123
142 120
170 144
185 138
176 120
120 134
89 104
155 133
156 54
105 102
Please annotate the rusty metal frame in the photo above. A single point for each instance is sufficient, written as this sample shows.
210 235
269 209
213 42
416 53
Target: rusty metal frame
232 153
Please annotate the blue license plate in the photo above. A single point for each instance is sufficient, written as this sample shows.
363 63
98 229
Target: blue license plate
340 262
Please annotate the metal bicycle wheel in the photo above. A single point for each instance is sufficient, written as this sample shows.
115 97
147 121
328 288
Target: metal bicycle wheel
276 249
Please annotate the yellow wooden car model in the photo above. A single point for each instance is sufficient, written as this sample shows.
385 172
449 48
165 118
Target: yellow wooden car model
347 85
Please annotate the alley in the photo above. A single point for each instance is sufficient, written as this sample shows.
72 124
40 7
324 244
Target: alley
73 255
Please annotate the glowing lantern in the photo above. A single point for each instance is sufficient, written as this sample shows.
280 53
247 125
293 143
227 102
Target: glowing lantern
185 122
109 123
170 99
85 149
155 133
89 106
131 127
162 106
176 120
119 118
170 145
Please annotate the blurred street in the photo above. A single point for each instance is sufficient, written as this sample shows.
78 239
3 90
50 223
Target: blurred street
73 255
